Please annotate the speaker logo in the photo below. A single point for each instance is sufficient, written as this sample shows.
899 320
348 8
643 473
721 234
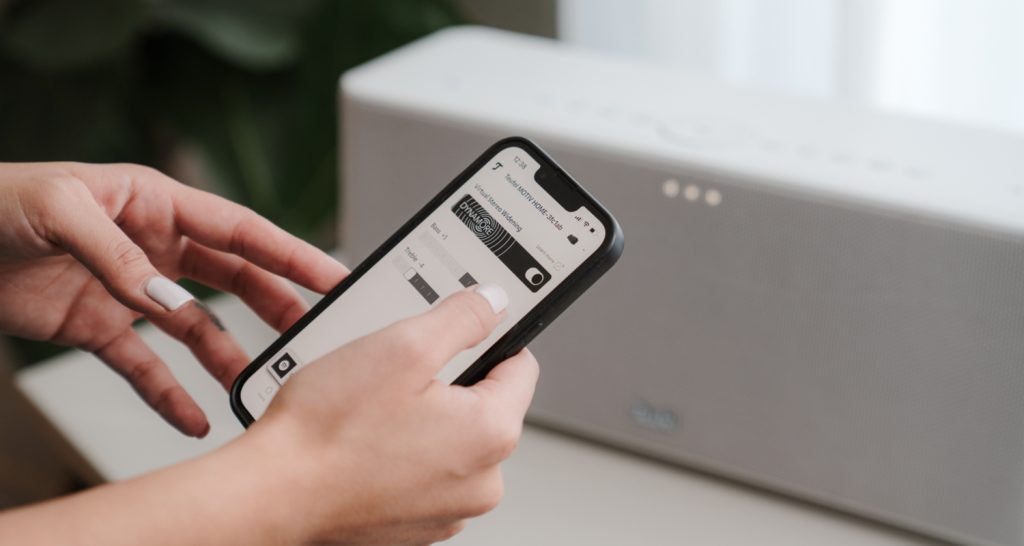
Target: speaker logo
652 417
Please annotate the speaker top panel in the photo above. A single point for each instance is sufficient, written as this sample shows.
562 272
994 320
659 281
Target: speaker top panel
660 116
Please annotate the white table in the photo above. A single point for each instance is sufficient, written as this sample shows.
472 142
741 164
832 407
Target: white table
559 490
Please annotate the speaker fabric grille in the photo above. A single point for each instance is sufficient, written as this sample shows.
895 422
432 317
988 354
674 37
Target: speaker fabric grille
863 357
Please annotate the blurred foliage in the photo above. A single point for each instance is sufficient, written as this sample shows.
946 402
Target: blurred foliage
244 88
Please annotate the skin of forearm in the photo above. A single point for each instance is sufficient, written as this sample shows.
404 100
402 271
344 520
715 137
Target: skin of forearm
236 495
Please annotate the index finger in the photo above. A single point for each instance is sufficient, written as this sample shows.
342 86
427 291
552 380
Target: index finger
224 225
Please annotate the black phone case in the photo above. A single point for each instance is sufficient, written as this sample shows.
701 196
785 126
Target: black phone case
523 331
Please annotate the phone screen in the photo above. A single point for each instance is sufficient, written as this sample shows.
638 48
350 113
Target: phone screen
499 227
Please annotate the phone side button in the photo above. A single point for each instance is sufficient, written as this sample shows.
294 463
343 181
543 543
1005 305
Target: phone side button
532 332
527 338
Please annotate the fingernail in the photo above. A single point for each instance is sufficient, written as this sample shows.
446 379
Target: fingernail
495 296
167 293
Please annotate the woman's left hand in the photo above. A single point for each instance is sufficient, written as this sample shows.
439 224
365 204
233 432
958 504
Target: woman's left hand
85 250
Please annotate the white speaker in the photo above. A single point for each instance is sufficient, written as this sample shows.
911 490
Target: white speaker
815 299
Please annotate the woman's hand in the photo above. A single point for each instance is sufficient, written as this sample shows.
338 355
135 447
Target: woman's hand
87 249
384 453
362 447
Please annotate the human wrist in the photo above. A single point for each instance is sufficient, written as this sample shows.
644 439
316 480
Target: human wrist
292 485
262 485
242 493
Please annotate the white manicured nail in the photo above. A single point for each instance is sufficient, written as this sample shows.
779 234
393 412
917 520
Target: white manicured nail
495 295
167 293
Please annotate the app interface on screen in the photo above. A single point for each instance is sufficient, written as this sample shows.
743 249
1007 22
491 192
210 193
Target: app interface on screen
500 227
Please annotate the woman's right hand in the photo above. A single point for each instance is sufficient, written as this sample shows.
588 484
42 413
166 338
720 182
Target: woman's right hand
362 447
376 451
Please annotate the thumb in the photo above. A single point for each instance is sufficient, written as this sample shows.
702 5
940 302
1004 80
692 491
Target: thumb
433 338
88 234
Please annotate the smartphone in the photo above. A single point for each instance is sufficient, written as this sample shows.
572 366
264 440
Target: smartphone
513 218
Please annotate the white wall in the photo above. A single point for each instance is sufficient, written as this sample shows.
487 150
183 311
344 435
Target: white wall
959 60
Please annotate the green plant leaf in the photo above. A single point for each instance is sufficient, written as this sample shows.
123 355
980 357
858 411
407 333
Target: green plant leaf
63 34
255 34
259 117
